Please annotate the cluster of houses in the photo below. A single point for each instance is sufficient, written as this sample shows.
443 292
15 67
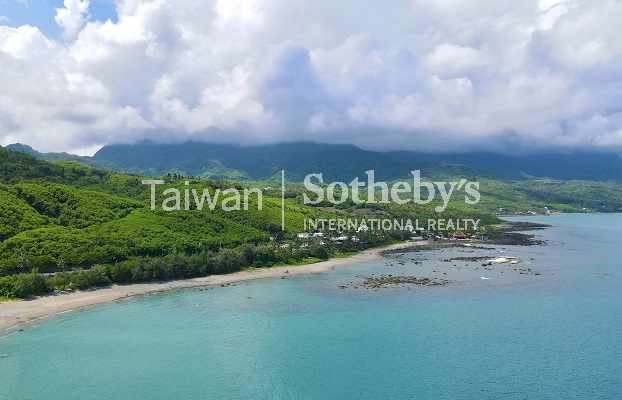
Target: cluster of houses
336 240
547 211
422 234
458 235
308 236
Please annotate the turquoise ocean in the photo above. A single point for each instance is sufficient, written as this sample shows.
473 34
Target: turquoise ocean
549 327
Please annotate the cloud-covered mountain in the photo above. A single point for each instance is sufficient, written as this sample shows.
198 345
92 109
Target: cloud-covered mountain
336 162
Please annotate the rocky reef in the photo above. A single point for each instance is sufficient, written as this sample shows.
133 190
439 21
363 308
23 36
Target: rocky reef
388 281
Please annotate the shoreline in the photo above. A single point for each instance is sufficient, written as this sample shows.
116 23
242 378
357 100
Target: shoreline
15 313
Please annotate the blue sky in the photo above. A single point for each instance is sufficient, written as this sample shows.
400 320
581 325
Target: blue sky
442 75
40 13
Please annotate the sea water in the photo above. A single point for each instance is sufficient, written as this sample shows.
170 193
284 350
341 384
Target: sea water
547 328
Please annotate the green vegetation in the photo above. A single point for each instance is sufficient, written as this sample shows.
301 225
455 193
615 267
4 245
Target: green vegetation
67 226
178 265
519 197
576 182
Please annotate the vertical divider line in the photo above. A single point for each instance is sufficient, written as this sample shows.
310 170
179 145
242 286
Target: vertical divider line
283 200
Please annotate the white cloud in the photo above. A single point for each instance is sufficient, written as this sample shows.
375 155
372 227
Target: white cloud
585 35
25 43
449 59
71 17
393 75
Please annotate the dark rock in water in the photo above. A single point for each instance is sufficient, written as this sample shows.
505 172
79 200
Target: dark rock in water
602 275
386 281
516 226
510 235
480 258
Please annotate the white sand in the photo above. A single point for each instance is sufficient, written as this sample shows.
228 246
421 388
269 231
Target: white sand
17 312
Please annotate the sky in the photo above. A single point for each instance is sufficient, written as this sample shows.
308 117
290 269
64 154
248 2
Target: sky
441 75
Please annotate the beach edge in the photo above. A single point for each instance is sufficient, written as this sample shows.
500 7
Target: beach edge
16 313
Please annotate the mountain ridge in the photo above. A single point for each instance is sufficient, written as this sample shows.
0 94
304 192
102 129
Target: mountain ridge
335 161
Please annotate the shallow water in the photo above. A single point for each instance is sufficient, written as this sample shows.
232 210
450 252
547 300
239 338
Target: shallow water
553 335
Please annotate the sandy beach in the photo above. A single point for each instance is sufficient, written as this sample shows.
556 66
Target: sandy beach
18 312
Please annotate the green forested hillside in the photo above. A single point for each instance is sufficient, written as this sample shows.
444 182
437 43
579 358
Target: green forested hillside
91 227
575 182
84 216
